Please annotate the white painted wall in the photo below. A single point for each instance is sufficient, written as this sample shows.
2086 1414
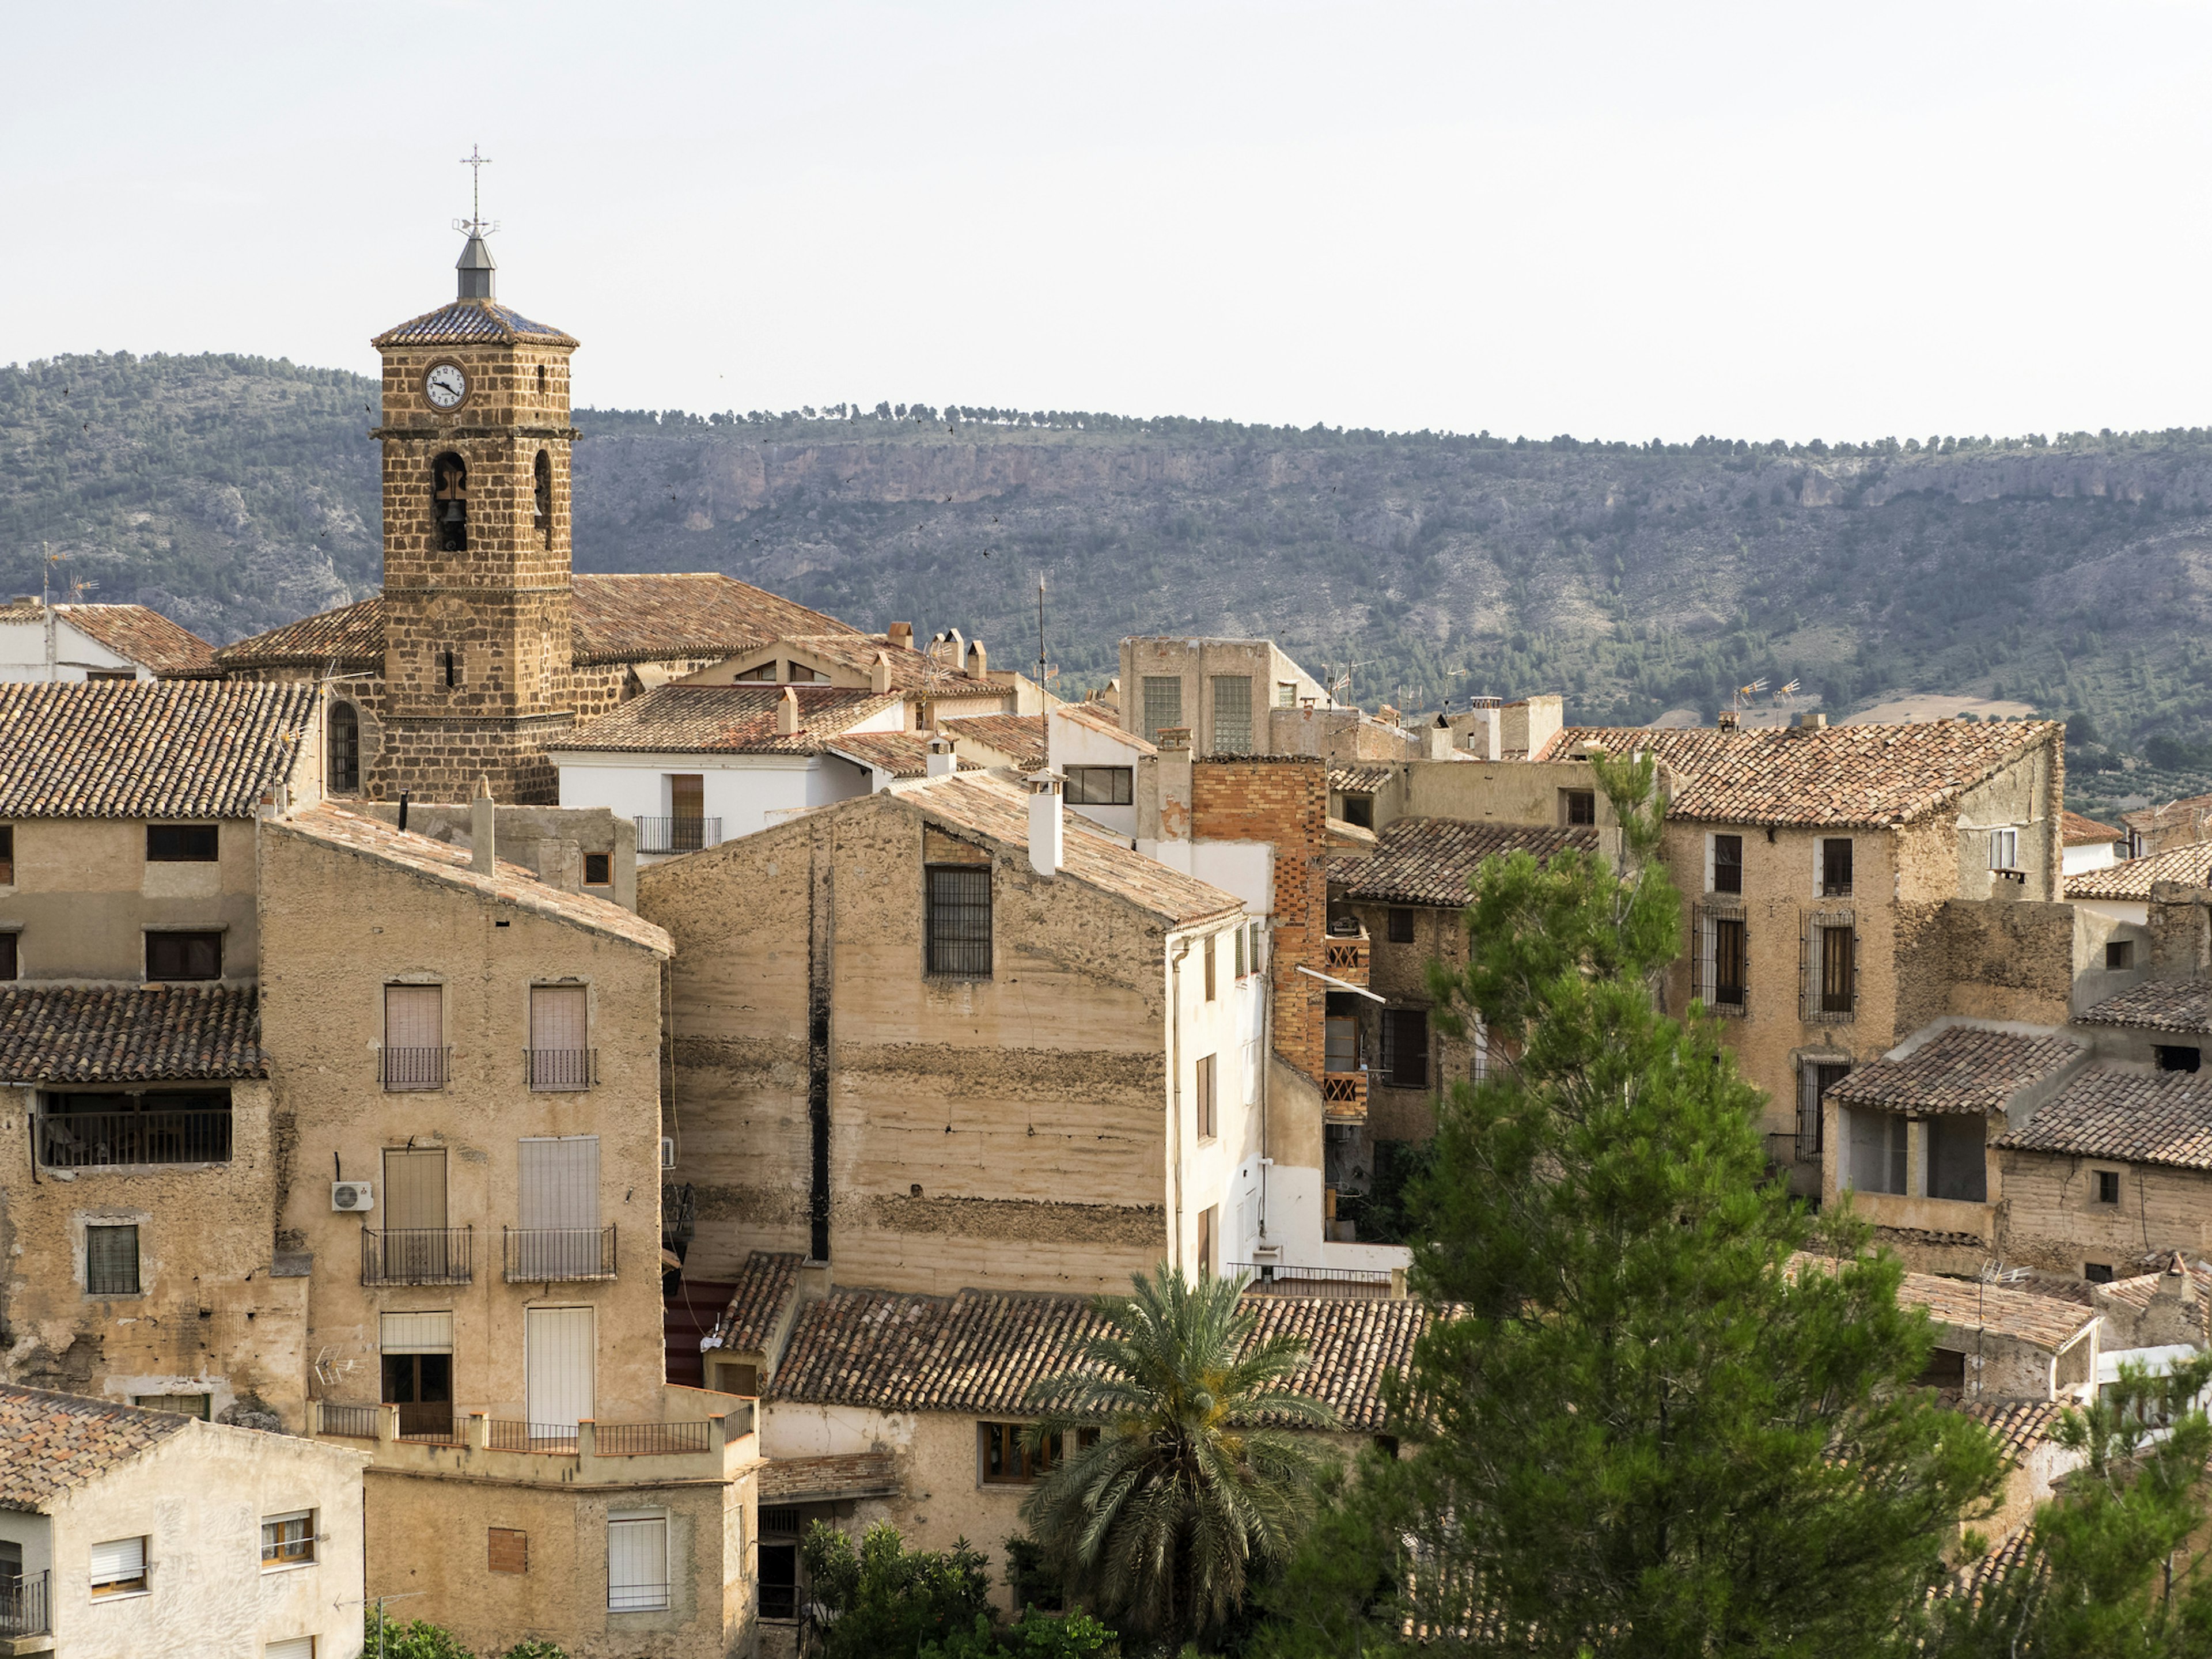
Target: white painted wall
2096 856
1072 743
2137 911
23 653
1246 868
789 1429
747 793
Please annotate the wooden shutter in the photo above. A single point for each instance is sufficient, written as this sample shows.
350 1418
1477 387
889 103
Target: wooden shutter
559 1183
414 1188
687 795
559 1018
414 1017
560 1348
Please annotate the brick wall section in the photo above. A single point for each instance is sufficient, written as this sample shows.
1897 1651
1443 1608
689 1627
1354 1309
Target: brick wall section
1283 800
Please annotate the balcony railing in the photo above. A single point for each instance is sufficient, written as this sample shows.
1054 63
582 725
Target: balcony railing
678 835
399 1069
23 1605
418 1255
1343 1094
353 1422
85 1141
538 1255
506 1434
432 1423
653 1439
1354 1284
560 1068
1343 955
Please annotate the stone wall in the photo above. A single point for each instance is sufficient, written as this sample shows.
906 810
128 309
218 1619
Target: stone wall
2050 1218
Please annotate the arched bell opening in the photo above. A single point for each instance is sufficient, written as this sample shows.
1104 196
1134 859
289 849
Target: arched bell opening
449 502
542 490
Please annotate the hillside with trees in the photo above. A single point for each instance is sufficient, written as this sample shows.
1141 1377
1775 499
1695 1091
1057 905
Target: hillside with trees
2069 575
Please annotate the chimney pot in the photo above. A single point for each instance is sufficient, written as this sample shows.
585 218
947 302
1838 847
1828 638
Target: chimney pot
1725 721
483 828
944 761
879 674
901 636
978 664
787 713
1047 831
1173 737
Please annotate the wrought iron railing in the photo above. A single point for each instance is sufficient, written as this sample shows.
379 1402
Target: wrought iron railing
401 1069
778 1601
82 1140
649 1439
353 1422
503 1434
678 835
1272 1279
23 1610
536 1255
679 1214
560 1068
636 1598
418 1255
433 1424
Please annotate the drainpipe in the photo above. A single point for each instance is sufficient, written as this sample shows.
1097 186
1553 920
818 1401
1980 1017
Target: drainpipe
1174 1082
1266 1053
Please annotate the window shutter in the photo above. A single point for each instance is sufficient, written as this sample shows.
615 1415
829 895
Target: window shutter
119 1559
558 1017
1808 993
415 1188
414 1017
560 1181
292 1647
415 1332
1701 954
637 1564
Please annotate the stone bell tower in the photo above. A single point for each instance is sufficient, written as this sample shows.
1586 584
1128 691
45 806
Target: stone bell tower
478 654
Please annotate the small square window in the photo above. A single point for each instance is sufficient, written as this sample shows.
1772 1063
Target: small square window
118 1567
288 1541
2178 1056
2097 1273
1359 811
111 1261
2120 954
8 967
1400 925
184 1405
2108 1185
184 955
598 869
1578 806
7 855
180 843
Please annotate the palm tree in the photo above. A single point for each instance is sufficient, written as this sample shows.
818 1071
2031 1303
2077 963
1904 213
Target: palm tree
1159 1520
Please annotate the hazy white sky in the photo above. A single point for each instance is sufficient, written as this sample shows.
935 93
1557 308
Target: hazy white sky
1625 221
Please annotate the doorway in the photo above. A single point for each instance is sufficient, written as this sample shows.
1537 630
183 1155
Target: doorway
560 1352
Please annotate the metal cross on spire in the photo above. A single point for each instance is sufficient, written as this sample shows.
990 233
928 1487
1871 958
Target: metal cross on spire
476 224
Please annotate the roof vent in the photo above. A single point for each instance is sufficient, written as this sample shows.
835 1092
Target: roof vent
1812 722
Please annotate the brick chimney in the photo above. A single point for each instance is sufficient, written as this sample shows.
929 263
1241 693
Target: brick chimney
483 827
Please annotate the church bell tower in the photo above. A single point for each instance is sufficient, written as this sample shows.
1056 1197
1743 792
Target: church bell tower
477 652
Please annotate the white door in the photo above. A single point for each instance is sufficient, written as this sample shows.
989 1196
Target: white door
560 1346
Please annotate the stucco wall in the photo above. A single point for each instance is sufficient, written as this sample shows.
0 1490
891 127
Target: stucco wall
85 894
2051 1218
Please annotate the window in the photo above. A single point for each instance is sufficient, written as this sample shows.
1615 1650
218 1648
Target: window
1253 956
449 503
2119 953
1877 1152
2177 1057
1163 703
1360 811
1946 1369
1958 1166
7 855
1578 806
1838 969
1728 864
759 672
1286 694
541 480
1008 1461
1208 953
507 1550
345 748
180 843
1406 1048
598 869
1207 1225
99 676
1208 1125
1101 786
1722 963
183 1405
2108 1185
779 1581
1815 1078
2097 1273
449 667
1240 953
414 1036
118 1567
288 1541
959 920
560 1038
111 1261
416 1352
1836 867
292 1647
1399 927
411 1245
184 955
637 1564
9 968
2004 849
557 1233
1232 714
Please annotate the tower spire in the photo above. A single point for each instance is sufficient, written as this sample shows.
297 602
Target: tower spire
476 265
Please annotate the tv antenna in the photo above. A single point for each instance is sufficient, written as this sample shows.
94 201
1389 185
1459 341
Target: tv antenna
475 224
1744 694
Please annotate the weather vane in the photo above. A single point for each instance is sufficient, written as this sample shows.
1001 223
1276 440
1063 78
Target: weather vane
475 224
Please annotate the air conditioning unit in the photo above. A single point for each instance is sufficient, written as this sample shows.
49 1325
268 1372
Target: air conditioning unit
668 1152
352 1196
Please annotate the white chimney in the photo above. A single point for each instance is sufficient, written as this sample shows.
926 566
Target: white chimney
1485 733
879 674
484 818
787 713
943 762
1440 740
1048 833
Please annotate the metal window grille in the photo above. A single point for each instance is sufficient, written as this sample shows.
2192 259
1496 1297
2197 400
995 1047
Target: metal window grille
70 1140
417 1255
959 921
23 1605
111 1261
1578 806
1721 967
345 748
288 1540
1815 1078
1406 1048
1163 703
1232 714
1828 967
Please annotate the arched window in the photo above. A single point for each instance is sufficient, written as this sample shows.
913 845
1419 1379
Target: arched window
543 485
345 750
449 502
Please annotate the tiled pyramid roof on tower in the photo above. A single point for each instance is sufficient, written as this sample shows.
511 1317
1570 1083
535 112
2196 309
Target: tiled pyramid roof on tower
468 320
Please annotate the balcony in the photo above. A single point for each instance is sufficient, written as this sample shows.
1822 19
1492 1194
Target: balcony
557 1070
24 1613
89 1141
670 835
418 1255
1343 955
1344 1096
1347 1283
708 1436
546 1255
401 1070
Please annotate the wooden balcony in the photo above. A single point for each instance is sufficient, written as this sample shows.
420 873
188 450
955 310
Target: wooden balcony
1344 1096
1343 955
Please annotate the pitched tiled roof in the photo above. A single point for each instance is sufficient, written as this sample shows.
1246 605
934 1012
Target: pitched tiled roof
2042 1322
836 1476
980 1350
146 637
2158 1005
989 807
1019 738
901 754
129 1033
1100 719
2191 810
1960 1069
762 1288
445 863
1838 775
2134 1117
2075 831
910 670
471 319
2016 1552
124 749
58 1442
1360 779
1429 860
726 720
2130 878
2016 1425
352 636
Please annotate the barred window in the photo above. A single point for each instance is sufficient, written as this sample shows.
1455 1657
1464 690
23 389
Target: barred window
959 920
1406 1048
1721 967
1828 958
1815 1078
1838 970
1578 806
1163 703
1232 714
111 1261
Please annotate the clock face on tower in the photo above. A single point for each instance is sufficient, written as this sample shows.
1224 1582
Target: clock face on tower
445 386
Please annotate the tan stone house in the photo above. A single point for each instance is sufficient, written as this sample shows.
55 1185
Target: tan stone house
125 1532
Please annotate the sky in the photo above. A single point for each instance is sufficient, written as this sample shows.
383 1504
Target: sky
1620 220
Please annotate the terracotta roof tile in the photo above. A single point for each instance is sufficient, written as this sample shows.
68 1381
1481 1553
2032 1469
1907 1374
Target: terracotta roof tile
121 749
2158 1005
910 670
57 1441
2075 831
443 862
471 319
1838 775
129 1033
901 754
1960 1069
1019 738
726 720
2042 1322
1360 779
1099 718
980 1350
2016 1425
2192 810
763 1286
2134 1117
2130 878
146 637
1431 860
822 1479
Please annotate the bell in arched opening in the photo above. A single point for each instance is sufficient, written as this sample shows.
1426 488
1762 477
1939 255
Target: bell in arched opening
542 476
344 750
449 502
